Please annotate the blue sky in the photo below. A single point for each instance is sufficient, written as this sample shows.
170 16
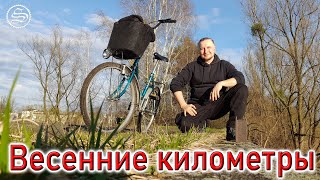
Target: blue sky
220 19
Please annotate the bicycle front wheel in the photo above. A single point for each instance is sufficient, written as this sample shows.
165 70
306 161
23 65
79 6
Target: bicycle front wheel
107 87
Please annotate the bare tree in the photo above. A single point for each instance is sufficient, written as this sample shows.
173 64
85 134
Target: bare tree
286 54
56 66
3 103
105 24
265 116
40 53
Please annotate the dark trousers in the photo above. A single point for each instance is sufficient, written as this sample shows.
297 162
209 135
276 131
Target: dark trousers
233 101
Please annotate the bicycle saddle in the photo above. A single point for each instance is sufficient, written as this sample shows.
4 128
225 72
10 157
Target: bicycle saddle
159 57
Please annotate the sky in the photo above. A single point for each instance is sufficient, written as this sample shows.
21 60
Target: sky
221 20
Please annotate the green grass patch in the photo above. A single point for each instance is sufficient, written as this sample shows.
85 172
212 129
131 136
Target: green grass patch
4 141
160 138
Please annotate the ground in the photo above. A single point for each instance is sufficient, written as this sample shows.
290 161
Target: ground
210 142
166 137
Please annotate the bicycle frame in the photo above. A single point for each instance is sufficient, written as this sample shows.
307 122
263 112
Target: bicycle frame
118 92
150 83
150 80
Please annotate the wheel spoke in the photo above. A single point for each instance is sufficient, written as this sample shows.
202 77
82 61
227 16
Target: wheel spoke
148 110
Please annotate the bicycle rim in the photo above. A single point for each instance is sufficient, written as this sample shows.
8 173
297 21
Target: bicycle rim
147 113
103 88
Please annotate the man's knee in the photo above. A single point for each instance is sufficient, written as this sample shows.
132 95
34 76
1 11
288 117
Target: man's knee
241 89
238 103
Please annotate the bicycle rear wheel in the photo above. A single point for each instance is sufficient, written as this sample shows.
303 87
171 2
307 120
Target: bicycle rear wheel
149 107
105 87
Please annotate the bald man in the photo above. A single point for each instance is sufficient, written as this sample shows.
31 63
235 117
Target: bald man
209 78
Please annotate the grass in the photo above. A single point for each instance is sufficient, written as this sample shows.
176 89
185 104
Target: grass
161 138
5 118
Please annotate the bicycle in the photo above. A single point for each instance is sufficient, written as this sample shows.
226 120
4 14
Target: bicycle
113 88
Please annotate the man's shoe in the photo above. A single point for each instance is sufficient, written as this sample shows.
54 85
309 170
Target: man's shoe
231 134
237 130
231 130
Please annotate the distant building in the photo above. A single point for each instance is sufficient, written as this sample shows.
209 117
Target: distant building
30 114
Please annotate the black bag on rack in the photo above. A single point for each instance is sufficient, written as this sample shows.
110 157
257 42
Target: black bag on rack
130 37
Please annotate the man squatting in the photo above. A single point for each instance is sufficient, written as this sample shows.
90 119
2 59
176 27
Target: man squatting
209 77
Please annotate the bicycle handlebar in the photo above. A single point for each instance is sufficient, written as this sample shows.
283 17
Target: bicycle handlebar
169 20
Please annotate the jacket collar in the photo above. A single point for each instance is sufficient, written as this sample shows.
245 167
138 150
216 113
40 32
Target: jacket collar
202 63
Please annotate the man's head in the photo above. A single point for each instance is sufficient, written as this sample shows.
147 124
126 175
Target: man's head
207 49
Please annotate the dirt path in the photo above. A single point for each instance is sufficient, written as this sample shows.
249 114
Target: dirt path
212 142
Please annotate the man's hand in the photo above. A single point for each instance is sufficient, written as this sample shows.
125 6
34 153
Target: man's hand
215 93
190 109
187 108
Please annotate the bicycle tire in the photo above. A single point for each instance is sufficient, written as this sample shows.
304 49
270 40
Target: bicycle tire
111 115
148 110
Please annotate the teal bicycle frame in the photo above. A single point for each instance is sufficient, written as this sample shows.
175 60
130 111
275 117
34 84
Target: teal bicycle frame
127 80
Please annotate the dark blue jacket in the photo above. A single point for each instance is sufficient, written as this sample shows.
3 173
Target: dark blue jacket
202 77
